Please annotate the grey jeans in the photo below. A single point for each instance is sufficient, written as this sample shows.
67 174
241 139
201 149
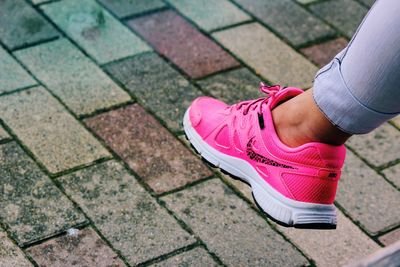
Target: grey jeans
360 88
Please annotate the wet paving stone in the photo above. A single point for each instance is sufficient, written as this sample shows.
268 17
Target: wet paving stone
148 148
197 257
127 216
232 86
70 75
322 54
279 63
10 254
230 228
84 248
95 30
56 139
12 75
289 19
367 197
391 237
345 15
185 46
378 147
32 208
210 15
393 174
124 8
157 85
25 26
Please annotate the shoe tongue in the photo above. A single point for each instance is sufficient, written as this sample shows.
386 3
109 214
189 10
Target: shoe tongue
283 95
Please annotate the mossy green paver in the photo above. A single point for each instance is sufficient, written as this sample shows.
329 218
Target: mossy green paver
3 134
70 75
210 15
32 207
10 254
345 15
125 8
221 219
268 55
288 19
367 197
379 146
95 30
22 25
232 86
12 75
56 139
127 216
197 257
393 174
157 85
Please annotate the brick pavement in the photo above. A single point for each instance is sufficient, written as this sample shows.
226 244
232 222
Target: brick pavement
87 181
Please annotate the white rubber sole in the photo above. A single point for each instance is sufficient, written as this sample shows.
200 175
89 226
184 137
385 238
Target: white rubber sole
282 209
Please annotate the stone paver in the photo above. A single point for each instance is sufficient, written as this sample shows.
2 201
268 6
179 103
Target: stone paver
37 2
288 19
367 197
148 148
95 30
32 207
189 49
396 121
210 15
124 8
70 75
232 86
157 85
12 75
346 17
3 134
128 217
393 174
197 257
304 2
378 147
322 54
22 25
279 63
84 248
10 254
391 237
368 2
220 219
45 127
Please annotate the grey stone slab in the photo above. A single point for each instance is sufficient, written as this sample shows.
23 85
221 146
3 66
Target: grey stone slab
70 75
54 136
12 75
95 30
345 15
195 257
230 228
368 2
3 134
232 86
124 8
304 2
10 254
22 25
367 197
210 15
378 147
384 257
393 174
157 85
279 63
82 248
289 19
32 207
127 216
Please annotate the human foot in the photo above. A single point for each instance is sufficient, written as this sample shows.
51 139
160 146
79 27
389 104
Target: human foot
295 186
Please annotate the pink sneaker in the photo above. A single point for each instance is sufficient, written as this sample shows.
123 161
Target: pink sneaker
294 186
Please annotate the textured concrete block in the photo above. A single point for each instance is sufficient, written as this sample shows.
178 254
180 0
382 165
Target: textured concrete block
49 131
3 134
10 254
322 54
124 8
268 55
128 217
393 174
195 257
391 237
70 75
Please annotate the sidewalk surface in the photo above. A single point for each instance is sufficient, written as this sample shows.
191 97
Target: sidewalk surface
94 168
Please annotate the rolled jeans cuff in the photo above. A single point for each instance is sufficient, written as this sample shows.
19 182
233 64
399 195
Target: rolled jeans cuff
340 106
